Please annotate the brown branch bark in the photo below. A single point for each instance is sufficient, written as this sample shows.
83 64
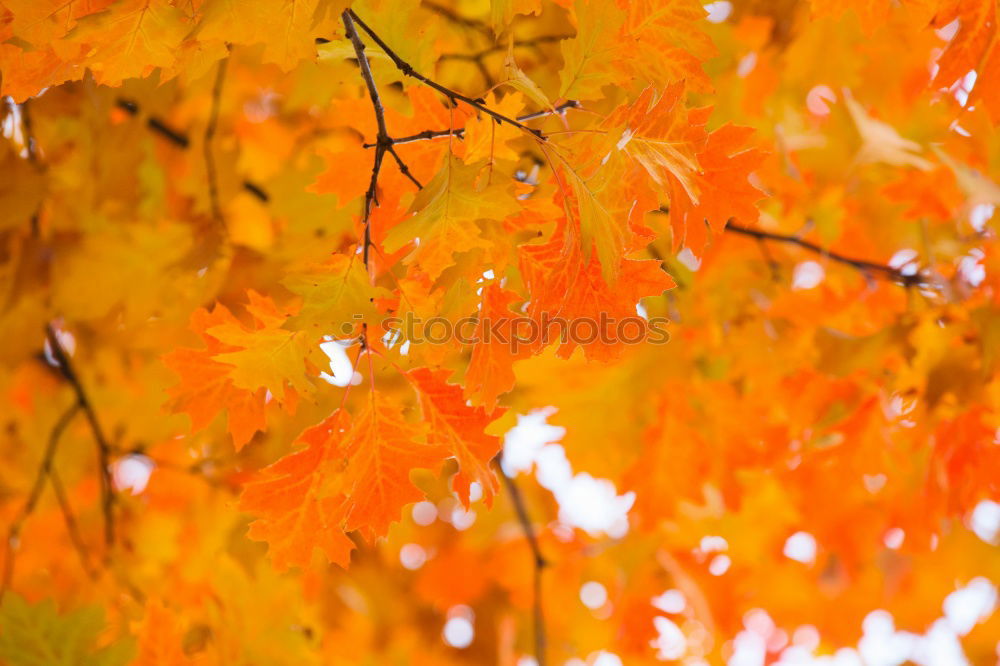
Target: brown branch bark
867 267
453 95
103 447
382 140
460 132
517 499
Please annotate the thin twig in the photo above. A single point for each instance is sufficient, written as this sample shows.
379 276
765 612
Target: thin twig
180 140
210 128
14 531
862 265
453 95
175 137
29 132
460 132
402 166
382 140
103 447
539 560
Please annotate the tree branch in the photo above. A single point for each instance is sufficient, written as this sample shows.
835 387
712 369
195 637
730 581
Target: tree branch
103 448
539 560
180 140
402 166
453 95
460 132
44 469
888 272
382 140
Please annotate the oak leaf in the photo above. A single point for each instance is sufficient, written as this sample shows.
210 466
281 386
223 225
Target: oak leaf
491 367
381 449
206 386
460 429
444 215
267 356
337 297
297 503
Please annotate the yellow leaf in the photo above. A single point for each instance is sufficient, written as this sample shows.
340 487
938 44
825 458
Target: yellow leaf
881 142
515 77
270 357
286 28
130 39
502 12
587 58
336 297
445 214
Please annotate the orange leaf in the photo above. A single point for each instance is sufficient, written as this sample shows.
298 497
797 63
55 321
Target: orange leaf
205 388
160 639
571 303
297 511
491 370
381 449
974 47
458 428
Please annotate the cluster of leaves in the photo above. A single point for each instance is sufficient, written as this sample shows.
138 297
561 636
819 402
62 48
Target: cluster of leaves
199 196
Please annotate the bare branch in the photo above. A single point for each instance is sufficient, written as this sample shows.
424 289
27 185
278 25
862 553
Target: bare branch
402 166
460 132
382 141
453 95
31 147
867 267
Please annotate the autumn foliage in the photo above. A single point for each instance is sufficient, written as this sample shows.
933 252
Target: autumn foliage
331 330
